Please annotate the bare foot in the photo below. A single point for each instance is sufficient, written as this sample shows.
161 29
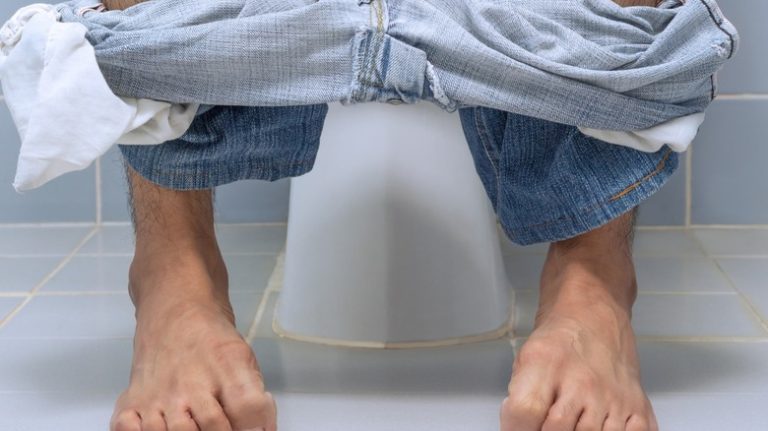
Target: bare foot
191 368
579 370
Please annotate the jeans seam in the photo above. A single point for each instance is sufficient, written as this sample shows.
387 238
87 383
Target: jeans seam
614 198
482 133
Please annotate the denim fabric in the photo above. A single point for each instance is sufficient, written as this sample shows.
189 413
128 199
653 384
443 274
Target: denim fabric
549 181
587 63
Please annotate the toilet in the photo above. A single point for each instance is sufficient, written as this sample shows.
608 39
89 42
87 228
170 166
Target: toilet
392 242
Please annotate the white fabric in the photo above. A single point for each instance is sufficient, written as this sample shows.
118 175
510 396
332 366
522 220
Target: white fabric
64 111
68 117
677 133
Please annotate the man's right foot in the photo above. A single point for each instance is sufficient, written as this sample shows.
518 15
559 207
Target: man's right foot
191 369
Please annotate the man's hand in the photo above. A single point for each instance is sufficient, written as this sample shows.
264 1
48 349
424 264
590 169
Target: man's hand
120 4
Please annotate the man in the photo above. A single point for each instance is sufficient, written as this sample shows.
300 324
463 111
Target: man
579 369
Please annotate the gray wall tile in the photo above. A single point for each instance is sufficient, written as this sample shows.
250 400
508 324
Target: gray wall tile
70 198
667 206
747 72
729 158
240 202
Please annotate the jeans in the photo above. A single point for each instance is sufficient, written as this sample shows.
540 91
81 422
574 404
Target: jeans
586 63
522 74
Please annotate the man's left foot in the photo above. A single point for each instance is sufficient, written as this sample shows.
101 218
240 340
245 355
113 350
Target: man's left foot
579 370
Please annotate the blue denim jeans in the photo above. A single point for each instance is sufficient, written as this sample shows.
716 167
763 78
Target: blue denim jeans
523 74
588 63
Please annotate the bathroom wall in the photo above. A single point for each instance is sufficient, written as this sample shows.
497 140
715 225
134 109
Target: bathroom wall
721 180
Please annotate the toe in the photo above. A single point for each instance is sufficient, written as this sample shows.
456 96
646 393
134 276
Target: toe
125 420
180 420
591 420
521 413
249 408
208 414
615 422
152 421
563 415
638 423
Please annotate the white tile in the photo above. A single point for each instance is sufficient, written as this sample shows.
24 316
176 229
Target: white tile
91 316
694 315
7 305
386 412
679 274
734 241
750 276
704 367
666 243
40 241
251 239
296 366
92 273
77 365
244 305
722 315
50 411
524 270
711 412
526 304
111 240
22 274
249 273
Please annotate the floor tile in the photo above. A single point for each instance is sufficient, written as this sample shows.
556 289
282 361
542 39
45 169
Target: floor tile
295 366
7 305
717 315
40 241
50 411
711 412
750 276
679 274
249 272
113 239
268 239
524 269
724 367
89 316
665 243
76 365
695 315
91 273
245 305
734 241
22 274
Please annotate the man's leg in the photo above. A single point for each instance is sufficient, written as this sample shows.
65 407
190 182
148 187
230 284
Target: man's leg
191 368
579 368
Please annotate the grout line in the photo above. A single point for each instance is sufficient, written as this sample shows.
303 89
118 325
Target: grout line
744 299
14 294
689 188
97 179
47 278
254 328
731 226
742 96
740 256
275 279
48 224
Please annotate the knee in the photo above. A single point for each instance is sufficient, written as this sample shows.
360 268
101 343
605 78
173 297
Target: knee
120 4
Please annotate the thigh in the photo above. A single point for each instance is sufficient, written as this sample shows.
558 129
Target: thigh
549 181
230 143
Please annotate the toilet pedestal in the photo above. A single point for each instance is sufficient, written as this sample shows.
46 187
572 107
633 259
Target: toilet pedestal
392 242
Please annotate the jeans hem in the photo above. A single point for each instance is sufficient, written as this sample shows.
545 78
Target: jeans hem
589 218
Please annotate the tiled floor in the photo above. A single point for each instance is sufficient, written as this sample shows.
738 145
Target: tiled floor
66 324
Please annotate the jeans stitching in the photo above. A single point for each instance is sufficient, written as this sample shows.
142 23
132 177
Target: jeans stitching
624 193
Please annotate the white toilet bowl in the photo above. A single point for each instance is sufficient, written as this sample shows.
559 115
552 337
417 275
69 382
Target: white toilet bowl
392 241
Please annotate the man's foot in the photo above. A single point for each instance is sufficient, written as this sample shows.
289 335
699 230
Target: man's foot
579 370
191 369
